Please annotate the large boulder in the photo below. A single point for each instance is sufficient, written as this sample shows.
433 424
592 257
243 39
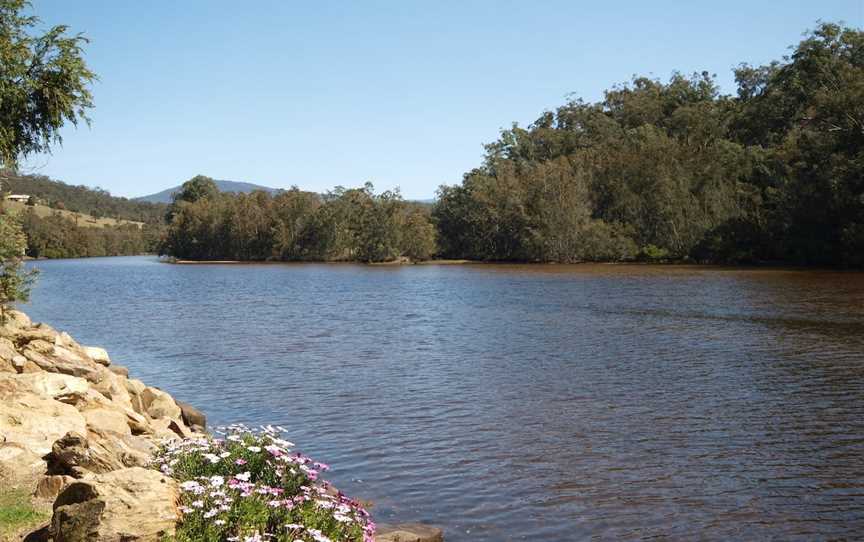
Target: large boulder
7 349
54 385
40 332
168 429
99 451
99 355
107 419
12 322
136 388
17 319
36 421
408 532
159 404
113 387
134 504
24 365
138 423
19 466
7 365
119 370
50 486
105 413
192 417
56 359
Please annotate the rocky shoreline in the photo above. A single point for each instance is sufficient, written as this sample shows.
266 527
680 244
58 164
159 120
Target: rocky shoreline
77 435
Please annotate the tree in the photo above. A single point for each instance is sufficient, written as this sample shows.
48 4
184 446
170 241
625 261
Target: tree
15 282
808 113
44 83
196 188
418 236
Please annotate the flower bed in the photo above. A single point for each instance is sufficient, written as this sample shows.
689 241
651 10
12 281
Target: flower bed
249 487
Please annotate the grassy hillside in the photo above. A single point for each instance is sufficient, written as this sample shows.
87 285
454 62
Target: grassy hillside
79 222
82 199
80 219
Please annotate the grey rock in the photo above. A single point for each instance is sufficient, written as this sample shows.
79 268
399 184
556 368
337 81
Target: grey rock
408 532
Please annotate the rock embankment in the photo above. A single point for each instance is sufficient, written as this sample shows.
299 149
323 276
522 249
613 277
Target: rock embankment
77 432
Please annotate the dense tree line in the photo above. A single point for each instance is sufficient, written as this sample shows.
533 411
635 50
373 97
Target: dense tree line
56 236
346 224
676 170
656 171
81 199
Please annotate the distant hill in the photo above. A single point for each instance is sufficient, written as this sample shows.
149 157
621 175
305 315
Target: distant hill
165 196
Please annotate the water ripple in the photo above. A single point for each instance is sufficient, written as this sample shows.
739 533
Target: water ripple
518 402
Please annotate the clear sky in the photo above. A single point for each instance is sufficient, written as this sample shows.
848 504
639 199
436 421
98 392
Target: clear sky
401 93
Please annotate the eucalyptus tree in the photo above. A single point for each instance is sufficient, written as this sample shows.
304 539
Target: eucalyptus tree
44 83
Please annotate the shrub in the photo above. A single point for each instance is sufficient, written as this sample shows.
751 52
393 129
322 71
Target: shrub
653 253
15 281
250 487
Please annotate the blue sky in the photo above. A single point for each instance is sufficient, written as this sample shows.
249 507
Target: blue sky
401 93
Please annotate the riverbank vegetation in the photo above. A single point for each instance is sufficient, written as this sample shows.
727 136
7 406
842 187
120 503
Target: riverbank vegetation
63 221
676 170
343 225
15 281
59 237
655 171
58 234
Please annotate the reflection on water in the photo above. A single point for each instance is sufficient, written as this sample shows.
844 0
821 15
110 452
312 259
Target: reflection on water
517 402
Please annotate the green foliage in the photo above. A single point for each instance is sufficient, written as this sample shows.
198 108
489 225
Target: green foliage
418 236
56 236
344 225
652 253
772 174
15 282
196 188
17 514
368 223
43 84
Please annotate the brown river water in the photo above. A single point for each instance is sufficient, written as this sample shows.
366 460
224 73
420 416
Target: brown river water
517 402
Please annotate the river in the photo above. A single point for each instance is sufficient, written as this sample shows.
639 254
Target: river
516 402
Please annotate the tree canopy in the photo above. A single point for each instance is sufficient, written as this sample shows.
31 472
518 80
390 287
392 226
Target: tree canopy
355 224
44 83
656 170
677 170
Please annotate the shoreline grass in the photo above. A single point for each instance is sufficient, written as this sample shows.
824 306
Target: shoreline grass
18 515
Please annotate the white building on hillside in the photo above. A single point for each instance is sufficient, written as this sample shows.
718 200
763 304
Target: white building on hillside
20 198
